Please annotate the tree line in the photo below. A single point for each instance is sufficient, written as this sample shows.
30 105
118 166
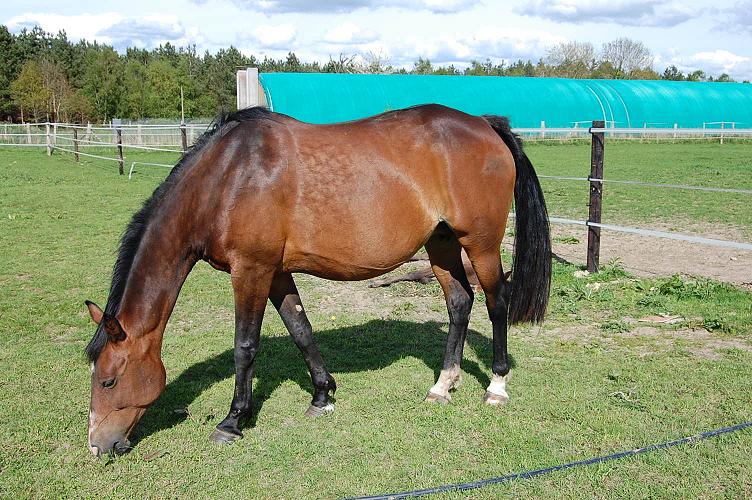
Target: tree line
45 76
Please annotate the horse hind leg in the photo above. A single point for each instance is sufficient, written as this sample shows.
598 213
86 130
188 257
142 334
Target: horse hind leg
286 299
487 265
444 252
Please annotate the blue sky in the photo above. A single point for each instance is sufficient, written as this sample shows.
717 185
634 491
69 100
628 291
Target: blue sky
715 37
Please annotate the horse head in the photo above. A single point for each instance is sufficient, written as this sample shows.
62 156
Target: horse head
127 376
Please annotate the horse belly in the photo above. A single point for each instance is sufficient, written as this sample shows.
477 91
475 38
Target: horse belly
362 237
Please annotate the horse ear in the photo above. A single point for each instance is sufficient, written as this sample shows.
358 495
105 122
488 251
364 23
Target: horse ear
95 311
113 329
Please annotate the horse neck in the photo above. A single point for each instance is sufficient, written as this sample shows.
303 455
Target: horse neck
160 267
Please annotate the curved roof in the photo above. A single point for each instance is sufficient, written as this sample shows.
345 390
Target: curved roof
560 102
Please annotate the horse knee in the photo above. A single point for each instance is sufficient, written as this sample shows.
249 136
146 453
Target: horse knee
459 304
245 351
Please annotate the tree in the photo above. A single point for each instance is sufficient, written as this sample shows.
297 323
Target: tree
102 81
422 67
572 59
377 63
133 105
29 92
58 88
447 70
344 64
672 73
644 74
697 75
626 55
77 108
163 96
723 77
521 68
8 70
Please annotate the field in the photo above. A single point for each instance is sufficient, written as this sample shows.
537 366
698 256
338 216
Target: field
591 381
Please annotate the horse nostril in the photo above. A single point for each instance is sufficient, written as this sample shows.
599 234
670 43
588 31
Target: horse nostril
121 447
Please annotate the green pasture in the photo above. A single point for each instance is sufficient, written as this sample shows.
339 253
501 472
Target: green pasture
591 381
700 163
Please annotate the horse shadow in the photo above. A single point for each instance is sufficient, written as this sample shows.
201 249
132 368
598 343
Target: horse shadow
366 347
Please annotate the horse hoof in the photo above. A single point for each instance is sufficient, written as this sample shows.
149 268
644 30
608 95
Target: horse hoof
432 397
315 411
223 437
494 399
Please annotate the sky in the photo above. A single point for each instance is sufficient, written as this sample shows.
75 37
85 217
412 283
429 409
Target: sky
713 36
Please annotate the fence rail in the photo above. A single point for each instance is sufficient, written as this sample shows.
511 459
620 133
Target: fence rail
175 138
166 135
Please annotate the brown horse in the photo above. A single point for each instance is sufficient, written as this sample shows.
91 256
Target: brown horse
262 196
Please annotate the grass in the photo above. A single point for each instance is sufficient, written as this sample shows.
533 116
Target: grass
592 381
700 164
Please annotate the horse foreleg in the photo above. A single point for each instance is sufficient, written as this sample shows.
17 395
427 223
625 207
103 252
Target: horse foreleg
446 262
251 289
286 299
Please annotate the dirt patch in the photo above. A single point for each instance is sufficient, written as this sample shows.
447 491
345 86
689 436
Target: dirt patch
648 340
648 256
418 301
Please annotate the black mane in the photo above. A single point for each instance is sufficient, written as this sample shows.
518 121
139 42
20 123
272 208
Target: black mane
134 232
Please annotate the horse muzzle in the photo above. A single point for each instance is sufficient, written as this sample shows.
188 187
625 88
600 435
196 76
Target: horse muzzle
109 446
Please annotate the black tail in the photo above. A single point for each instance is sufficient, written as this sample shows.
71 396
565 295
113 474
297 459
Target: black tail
531 271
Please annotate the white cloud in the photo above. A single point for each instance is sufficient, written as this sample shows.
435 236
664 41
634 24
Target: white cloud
342 6
76 26
737 18
722 61
621 12
150 31
349 33
113 29
485 43
713 63
446 6
275 37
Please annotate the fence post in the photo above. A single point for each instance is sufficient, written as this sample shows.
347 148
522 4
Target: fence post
543 129
676 126
596 196
54 134
138 133
47 138
183 137
120 150
28 133
722 124
75 144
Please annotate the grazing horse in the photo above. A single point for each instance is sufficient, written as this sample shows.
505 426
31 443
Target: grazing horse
262 196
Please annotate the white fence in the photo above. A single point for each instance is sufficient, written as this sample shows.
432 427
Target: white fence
44 134
170 136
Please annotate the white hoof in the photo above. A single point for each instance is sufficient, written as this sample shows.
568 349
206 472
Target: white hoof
496 394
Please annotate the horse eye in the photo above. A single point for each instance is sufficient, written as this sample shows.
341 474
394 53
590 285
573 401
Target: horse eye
108 383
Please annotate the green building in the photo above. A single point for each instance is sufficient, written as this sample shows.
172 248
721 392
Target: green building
559 102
